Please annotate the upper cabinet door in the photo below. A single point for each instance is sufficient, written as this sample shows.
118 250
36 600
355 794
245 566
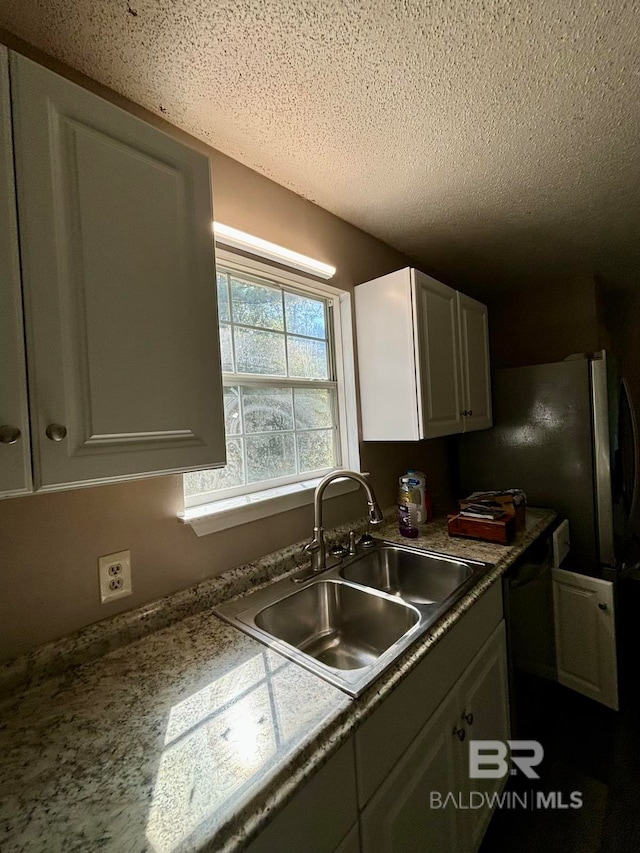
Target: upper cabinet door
439 374
474 351
115 225
15 462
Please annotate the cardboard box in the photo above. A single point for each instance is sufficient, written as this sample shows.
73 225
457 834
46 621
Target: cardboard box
502 530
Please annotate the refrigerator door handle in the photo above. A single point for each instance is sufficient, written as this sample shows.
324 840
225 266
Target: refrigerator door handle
602 460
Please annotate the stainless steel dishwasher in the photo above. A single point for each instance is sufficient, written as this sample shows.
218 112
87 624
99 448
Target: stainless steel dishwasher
528 608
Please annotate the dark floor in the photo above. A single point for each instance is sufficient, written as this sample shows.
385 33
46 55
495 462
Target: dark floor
588 748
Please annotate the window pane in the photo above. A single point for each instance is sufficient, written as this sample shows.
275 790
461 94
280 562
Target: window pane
226 353
232 422
223 297
270 456
197 482
259 352
256 305
307 359
305 316
267 409
313 408
315 450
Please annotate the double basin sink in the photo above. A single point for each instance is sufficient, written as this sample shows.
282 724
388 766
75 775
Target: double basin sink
350 622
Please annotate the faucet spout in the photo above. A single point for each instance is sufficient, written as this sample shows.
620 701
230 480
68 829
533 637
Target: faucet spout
316 548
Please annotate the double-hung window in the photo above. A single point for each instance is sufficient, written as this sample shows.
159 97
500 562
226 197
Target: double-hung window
289 404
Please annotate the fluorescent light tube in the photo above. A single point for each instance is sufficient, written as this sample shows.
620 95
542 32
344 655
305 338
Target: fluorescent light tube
248 243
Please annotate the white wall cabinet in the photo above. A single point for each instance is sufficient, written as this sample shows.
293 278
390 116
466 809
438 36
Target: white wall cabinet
473 323
15 461
423 356
399 817
585 635
118 280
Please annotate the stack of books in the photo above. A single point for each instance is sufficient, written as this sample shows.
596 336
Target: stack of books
485 511
492 505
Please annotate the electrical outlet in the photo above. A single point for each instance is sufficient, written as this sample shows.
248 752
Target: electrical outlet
114 571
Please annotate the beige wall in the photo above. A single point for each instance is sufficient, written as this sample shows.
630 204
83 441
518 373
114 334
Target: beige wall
544 323
49 544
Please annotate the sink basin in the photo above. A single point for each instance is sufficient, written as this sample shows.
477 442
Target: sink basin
339 625
417 577
350 622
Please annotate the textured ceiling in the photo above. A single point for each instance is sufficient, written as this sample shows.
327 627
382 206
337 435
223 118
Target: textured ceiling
493 141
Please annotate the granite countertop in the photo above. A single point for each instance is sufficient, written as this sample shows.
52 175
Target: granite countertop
191 736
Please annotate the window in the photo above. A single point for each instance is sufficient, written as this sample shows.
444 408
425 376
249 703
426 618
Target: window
288 401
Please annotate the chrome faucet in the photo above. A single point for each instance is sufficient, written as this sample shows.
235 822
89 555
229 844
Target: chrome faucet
316 548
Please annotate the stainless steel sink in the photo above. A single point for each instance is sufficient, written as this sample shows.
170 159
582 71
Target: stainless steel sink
339 625
412 575
350 622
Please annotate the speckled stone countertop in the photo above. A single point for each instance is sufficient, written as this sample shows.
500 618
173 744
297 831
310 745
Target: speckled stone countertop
190 737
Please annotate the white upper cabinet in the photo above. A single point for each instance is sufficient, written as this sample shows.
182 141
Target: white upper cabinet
15 462
474 351
423 356
438 368
119 290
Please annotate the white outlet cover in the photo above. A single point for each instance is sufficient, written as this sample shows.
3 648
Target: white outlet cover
113 566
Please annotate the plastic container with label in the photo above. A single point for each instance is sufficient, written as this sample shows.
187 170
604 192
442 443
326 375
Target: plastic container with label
408 507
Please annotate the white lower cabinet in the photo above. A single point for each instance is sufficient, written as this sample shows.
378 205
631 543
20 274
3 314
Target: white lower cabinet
484 699
323 815
399 817
415 743
585 635
410 811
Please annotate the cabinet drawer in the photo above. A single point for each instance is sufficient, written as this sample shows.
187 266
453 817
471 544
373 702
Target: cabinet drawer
383 738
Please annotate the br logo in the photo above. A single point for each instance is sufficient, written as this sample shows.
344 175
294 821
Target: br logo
489 759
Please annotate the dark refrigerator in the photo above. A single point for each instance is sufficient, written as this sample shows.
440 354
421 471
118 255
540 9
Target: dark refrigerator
565 433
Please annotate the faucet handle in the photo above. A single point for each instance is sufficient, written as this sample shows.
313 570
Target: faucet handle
352 544
310 547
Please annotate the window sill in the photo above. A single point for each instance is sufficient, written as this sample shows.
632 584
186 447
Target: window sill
221 515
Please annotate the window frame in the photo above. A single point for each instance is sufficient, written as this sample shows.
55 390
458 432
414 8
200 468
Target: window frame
240 504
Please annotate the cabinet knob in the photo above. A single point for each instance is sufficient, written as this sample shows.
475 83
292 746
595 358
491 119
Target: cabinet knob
9 434
56 432
470 412
468 718
602 605
459 733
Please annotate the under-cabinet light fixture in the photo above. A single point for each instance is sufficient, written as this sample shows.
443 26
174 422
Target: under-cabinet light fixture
228 236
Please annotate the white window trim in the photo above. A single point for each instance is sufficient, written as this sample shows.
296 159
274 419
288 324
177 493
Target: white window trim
214 516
